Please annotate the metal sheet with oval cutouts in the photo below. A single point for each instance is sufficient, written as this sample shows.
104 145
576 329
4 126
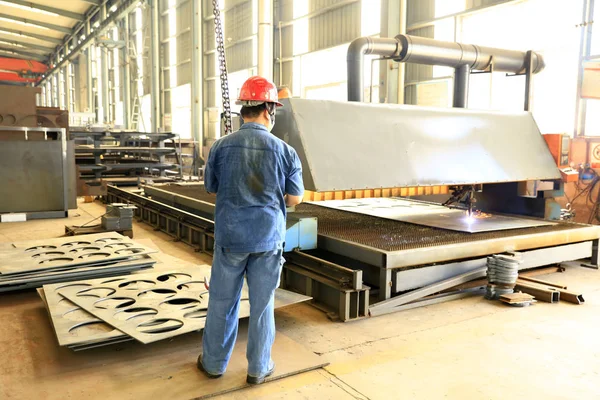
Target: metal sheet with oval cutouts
52 254
175 302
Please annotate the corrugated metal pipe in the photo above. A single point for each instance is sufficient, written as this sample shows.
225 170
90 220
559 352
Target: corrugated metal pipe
418 50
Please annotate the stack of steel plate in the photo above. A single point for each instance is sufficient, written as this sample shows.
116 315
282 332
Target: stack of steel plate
146 307
502 273
33 263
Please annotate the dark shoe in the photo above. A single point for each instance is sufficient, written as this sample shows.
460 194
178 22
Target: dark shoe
257 380
208 374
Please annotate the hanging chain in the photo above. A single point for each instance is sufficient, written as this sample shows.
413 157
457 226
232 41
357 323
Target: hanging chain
222 67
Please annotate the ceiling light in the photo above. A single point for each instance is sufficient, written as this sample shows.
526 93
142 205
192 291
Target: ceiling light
113 8
26 8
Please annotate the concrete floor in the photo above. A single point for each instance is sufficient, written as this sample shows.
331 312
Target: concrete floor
464 349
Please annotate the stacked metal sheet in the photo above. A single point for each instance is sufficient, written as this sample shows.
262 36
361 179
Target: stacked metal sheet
146 307
502 273
33 263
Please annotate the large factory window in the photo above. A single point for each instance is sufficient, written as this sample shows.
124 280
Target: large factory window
555 36
592 112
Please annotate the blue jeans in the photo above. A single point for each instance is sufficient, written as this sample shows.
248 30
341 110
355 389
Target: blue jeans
262 272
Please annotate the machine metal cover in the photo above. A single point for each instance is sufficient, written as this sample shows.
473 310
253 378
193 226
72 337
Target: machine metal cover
350 145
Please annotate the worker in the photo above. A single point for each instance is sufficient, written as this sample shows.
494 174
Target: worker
255 176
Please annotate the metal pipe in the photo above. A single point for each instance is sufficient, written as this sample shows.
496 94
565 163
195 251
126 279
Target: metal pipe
265 38
358 48
461 86
434 52
426 51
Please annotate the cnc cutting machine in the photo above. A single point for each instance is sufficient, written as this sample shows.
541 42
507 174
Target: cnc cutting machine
367 251
371 256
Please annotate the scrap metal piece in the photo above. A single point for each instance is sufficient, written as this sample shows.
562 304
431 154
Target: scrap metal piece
346 277
542 282
391 305
571 297
428 214
539 292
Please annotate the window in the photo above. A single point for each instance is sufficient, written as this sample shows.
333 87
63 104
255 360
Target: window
554 35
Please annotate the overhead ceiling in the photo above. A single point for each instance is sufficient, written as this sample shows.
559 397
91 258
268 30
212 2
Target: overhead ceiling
31 30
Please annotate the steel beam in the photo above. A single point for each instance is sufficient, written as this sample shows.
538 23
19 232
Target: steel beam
58 11
31 35
23 54
125 6
549 295
26 21
26 44
20 57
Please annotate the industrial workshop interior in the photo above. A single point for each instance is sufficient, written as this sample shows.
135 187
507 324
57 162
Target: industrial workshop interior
299 199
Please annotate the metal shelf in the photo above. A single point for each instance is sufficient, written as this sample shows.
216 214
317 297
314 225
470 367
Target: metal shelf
120 149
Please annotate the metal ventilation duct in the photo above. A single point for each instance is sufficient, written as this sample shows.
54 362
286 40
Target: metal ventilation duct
350 145
418 50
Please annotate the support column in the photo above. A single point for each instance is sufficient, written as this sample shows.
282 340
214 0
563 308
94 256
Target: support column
197 77
385 284
402 67
461 86
59 88
265 38
67 78
126 73
393 22
155 67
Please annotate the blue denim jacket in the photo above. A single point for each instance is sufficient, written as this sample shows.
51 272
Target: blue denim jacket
250 171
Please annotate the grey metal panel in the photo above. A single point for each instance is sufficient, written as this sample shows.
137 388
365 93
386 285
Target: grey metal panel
350 145
32 177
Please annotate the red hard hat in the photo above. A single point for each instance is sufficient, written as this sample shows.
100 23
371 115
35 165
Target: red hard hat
257 88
